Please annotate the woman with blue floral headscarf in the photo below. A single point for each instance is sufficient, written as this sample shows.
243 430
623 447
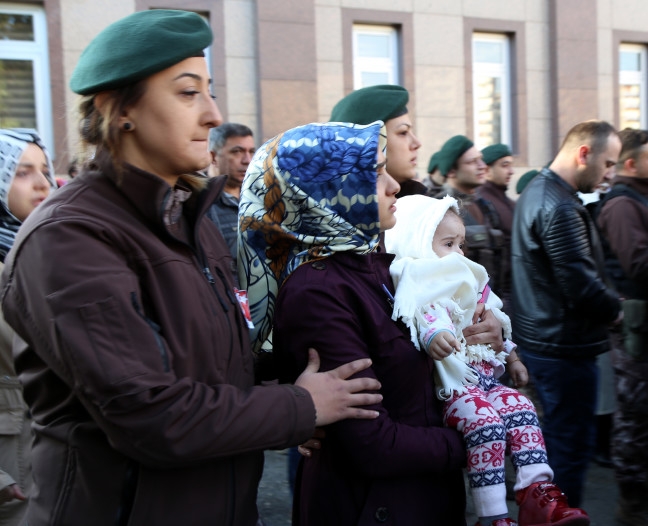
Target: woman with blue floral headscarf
26 178
314 203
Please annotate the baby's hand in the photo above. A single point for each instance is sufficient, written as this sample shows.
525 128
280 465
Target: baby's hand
442 345
518 373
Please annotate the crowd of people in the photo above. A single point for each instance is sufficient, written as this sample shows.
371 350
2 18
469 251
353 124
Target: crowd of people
188 300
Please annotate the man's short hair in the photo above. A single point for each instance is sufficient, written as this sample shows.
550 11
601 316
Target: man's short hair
595 133
631 143
218 136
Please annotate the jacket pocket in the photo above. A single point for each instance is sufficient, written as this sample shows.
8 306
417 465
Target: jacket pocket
12 410
108 332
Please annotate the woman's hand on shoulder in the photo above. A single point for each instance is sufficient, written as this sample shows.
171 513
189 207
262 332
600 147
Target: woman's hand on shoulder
335 396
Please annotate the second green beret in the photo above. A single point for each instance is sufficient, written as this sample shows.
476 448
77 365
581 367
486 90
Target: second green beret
524 180
433 165
494 152
138 46
370 104
451 150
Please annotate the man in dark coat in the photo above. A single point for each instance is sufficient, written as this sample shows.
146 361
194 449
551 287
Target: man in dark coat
623 223
499 163
561 302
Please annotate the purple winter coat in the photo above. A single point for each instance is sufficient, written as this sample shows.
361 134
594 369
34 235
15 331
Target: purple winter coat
403 468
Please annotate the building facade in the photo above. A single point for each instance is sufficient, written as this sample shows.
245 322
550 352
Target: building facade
519 72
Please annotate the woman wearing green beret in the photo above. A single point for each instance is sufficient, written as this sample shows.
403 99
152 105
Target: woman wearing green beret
137 366
387 103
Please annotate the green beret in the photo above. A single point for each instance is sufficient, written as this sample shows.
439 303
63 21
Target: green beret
494 152
452 149
433 165
525 179
370 104
138 46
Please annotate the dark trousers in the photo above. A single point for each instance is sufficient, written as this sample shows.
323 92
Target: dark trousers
567 390
630 432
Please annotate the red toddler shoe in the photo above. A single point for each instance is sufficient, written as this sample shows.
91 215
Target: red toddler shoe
543 504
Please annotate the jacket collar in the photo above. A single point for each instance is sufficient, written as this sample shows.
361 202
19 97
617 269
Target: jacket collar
553 176
150 194
636 183
372 262
495 187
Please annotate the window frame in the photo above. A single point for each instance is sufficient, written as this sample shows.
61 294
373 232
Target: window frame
501 71
622 37
389 65
632 77
403 22
517 33
37 51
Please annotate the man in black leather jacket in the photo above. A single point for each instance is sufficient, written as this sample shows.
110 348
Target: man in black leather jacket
561 302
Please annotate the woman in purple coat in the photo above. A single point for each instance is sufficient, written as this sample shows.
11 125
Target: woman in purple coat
314 203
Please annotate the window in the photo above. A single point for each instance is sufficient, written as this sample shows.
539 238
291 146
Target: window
25 100
491 89
375 55
632 86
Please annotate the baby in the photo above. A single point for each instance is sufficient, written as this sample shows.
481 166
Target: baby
438 293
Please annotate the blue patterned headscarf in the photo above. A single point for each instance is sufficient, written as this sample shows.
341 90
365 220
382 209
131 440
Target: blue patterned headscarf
308 193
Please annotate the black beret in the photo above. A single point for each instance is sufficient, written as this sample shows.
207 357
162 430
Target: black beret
451 150
494 152
524 180
138 46
370 104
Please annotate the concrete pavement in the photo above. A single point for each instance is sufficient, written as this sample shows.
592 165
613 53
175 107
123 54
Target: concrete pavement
275 500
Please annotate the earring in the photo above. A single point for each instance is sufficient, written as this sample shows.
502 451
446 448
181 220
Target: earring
127 126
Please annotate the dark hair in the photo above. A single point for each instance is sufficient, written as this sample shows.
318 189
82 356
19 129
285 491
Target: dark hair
101 129
218 136
594 133
631 142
